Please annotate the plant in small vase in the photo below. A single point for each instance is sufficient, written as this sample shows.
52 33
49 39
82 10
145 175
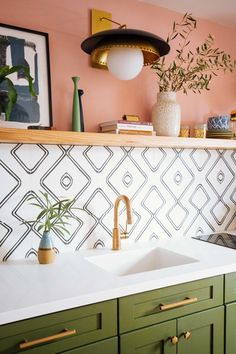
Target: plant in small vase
52 216
9 97
190 70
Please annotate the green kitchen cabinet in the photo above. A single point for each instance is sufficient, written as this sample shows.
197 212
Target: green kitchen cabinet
200 333
230 329
230 313
186 318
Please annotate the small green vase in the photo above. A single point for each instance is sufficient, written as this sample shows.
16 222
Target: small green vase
76 119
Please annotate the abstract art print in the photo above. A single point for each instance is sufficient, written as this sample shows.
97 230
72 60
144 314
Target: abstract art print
19 46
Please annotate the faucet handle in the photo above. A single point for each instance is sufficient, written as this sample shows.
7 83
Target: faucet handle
125 234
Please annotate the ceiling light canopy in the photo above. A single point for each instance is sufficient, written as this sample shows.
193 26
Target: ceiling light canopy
124 51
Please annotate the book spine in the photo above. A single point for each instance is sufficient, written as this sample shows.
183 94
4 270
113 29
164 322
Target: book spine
105 124
135 132
135 126
128 127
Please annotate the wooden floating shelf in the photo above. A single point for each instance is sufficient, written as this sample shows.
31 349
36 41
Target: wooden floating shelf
52 137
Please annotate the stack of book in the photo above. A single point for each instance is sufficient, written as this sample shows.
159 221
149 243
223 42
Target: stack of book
127 127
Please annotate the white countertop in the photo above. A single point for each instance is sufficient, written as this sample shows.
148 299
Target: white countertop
29 289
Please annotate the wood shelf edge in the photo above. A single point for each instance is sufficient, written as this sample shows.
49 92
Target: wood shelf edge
53 137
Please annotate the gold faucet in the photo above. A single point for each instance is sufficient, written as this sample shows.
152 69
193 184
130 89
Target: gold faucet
117 235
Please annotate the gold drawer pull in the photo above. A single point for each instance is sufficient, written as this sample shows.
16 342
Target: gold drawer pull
187 301
65 333
187 335
174 340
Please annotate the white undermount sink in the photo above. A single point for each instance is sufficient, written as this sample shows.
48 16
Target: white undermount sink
126 262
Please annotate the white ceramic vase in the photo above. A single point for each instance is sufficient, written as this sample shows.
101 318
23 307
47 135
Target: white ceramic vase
166 114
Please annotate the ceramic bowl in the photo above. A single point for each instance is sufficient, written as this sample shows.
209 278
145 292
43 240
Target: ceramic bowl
218 123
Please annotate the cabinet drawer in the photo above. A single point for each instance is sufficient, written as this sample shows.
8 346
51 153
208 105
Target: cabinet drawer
91 323
137 311
108 346
230 287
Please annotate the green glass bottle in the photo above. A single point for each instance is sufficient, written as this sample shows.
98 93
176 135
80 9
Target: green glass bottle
76 121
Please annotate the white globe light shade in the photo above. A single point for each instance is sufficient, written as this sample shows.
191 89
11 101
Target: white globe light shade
125 63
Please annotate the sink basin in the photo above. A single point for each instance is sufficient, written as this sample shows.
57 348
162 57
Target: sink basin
126 262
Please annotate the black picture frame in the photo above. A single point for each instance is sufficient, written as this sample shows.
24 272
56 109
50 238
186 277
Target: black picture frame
28 47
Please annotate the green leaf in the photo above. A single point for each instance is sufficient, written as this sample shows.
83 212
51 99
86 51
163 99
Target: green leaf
40 227
41 214
12 97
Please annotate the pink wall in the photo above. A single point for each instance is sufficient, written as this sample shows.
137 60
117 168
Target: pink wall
68 22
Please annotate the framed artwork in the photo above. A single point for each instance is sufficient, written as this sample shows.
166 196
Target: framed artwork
20 46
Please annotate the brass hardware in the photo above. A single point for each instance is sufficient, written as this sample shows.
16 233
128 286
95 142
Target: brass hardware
174 340
65 333
187 335
125 234
187 301
96 21
116 235
99 55
117 23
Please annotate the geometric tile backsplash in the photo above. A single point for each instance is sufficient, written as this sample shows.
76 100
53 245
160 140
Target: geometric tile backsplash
174 193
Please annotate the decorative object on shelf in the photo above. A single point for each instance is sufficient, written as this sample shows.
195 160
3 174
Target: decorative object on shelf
23 109
166 114
131 117
191 70
81 92
233 121
199 131
52 216
218 123
184 131
76 117
127 127
123 51
220 134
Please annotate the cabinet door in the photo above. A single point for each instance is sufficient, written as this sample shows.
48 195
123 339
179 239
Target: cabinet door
230 329
202 333
109 346
150 340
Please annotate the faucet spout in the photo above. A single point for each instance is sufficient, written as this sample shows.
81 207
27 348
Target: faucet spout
116 235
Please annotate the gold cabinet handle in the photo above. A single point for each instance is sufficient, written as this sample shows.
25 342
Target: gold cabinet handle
187 301
174 340
187 335
65 333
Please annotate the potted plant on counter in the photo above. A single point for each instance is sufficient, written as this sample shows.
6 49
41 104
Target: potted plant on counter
52 216
190 70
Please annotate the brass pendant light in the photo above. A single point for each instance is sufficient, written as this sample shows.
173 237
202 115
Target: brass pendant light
100 44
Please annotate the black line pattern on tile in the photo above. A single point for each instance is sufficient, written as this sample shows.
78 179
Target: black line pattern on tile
102 162
7 233
173 192
17 183
15 151
200 163
148 160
